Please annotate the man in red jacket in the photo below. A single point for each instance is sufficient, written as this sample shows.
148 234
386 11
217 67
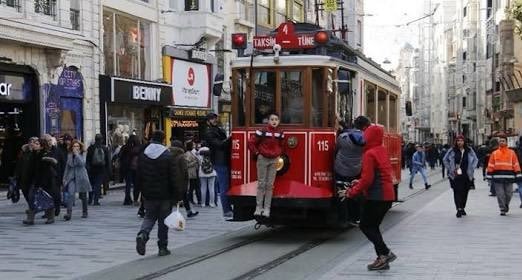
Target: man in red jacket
376 185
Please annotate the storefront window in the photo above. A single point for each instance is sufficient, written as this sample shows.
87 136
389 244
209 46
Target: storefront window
126 46
264 96
292 97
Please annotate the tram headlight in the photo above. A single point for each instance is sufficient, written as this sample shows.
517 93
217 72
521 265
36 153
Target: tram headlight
282 164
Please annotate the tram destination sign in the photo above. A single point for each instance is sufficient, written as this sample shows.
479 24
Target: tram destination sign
287 38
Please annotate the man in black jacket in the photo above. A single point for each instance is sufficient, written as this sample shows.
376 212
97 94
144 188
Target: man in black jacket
219 144
156 178
98 164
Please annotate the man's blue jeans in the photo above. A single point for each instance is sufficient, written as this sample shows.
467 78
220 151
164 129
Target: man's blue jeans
223 180
423 174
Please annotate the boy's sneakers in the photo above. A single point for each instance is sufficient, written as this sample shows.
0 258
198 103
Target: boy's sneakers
191 214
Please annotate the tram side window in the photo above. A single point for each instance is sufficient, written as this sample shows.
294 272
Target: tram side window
382 106
241 86
292 97
393 113
370 102
264 98
345 95
317 97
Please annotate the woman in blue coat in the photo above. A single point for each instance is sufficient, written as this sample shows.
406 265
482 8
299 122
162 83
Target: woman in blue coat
76 179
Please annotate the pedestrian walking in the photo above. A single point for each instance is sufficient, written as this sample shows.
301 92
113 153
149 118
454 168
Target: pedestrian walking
503 170
25 166
155 177
348 160
76 179
181 173
267 144
98 167
443 153
128 164
432 156
460 161
519 156
410 150
207 176
377 187
193 176
219 145
419 165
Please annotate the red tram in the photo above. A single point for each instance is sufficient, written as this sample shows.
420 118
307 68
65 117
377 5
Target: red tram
312 79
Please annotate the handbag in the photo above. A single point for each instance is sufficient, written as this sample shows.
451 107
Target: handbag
41 200
175 220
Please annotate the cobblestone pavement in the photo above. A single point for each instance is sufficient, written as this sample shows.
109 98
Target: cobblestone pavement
67 250
434 244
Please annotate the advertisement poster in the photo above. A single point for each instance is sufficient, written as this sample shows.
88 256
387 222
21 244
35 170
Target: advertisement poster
191 84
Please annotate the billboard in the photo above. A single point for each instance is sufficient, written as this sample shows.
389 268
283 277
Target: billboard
191 84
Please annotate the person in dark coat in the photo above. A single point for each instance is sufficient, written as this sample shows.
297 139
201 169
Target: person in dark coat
376 185
128 164
219 144
98 166
25 166
178 152
156 178
47 177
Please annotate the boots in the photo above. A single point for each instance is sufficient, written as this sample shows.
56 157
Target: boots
411 187
50 216
84 208
427 186
141 242
68 216
84 214
163 251
30 218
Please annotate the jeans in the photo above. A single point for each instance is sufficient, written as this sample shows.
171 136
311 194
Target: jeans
372 214
504 194
157 210
207 186
130 182
423 174
97 181
520 191
460 186
266 173
72 197
223 173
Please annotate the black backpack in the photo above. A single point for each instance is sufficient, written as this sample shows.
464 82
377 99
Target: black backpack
206 165
98 157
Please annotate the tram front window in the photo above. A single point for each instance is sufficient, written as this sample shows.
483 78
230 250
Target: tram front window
292 97
264 98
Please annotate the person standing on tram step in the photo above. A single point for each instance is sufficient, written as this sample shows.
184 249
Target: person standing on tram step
503 171
348 157
267 144
155 177
460 161
75 178
377 186
219 144
418 162
98 167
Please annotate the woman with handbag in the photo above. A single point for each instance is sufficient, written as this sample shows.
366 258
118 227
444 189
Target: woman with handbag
460 161
76 179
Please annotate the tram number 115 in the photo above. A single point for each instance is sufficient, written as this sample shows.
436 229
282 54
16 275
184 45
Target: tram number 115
323 145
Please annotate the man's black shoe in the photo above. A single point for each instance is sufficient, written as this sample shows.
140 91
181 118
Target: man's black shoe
141 243
464 212
459 214
192 214
141 213
492 194
411 187
427 186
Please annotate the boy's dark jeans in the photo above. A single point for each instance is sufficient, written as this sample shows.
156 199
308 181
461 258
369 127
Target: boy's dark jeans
156 210
372 214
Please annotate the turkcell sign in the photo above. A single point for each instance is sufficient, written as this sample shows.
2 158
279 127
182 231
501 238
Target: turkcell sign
300 41
146 93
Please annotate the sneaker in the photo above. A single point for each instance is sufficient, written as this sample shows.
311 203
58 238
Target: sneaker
266 213
502 213
380 263
192 214
228 215
507 208
464 212
163 252
411 187
390 257
258 211
492 194
427 186
212 205
459 214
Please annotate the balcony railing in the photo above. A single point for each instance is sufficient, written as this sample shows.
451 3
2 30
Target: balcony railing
11 3
46 7
75 19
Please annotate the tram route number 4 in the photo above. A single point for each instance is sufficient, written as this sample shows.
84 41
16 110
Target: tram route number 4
323 145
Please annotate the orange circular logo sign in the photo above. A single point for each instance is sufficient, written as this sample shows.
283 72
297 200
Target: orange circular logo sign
191 78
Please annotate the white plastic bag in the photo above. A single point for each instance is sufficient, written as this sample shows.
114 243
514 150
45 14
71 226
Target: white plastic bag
175 220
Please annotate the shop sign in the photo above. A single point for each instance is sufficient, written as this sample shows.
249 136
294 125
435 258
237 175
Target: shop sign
287 38
188 113
140 92
184 124
198 55
70 82
5 89
191 84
